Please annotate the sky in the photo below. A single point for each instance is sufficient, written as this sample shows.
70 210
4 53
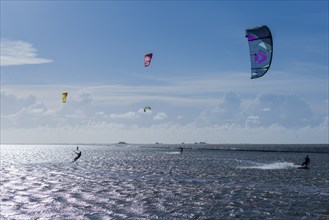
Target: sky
198 84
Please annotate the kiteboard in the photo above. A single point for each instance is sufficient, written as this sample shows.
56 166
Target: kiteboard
305 168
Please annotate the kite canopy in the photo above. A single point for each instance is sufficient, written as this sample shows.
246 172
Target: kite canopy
147 107
147 59
261 50
64 95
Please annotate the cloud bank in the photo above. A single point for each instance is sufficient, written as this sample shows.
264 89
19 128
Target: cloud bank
266 118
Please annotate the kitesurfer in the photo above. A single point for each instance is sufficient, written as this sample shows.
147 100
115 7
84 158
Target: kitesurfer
78 154
181 150
307 161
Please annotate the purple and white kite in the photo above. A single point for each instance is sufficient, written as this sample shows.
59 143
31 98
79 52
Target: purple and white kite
261 50
147 59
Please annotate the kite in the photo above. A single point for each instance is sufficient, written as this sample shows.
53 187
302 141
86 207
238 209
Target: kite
64 95
147 107
147 59
261 50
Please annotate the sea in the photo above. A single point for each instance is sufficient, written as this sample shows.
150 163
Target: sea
157 181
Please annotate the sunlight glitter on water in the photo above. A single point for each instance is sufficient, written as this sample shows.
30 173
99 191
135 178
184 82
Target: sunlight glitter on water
110 182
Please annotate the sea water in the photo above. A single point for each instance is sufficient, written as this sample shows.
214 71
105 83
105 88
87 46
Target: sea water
158 182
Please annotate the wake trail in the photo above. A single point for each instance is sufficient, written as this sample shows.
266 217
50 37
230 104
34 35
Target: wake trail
271 166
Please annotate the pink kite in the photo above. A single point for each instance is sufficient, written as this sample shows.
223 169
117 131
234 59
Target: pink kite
147 59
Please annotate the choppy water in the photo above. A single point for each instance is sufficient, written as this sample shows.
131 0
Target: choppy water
157 182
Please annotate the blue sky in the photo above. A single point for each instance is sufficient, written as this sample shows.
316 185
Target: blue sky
198 83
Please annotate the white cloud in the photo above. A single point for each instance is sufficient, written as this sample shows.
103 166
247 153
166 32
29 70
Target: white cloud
252 121
325 122
100 113
11 104
227 118
263 110
128 115
160 116
19 53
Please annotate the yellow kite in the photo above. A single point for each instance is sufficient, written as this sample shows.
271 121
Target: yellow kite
64 95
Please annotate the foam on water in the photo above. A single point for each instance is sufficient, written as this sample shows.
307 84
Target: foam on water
272 166
173 152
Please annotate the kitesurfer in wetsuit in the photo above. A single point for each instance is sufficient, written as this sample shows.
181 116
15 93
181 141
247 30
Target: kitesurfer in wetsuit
307 161
78 154
181 150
